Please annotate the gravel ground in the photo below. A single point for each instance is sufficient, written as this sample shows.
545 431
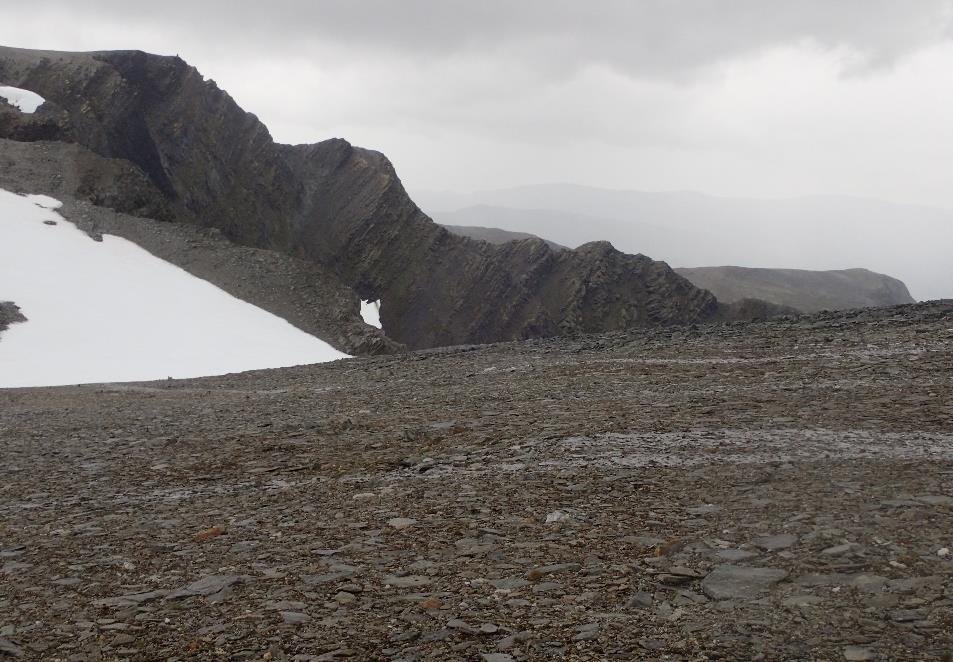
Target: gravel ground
777 490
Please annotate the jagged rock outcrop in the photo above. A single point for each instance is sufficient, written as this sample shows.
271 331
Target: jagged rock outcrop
212 164
741 309
9 314
808 291
758 293
302 292
497 235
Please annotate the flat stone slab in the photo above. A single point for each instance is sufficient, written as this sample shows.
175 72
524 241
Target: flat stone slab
840 550
327 578
8 648
410 581
401 523
294 617
859 654
209 586
728 582
775 543
869 583
914 584
935 500
735 554
130 599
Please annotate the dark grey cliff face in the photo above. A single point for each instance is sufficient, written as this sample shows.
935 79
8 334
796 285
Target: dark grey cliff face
9 314
210 163
303 292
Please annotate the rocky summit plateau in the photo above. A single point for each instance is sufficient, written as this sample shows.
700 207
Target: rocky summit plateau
763 490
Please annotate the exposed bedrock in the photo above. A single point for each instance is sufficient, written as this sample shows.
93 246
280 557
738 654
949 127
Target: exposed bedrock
208 162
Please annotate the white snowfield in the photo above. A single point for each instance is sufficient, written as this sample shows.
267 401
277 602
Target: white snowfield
25 100
110 311
371 312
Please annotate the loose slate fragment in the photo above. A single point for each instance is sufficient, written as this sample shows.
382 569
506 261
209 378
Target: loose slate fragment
728 582
130 599
8 648
210 586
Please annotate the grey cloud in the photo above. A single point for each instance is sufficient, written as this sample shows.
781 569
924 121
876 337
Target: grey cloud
749 97
639 37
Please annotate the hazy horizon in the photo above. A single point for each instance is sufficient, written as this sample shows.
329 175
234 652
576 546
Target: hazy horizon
688 229
425 192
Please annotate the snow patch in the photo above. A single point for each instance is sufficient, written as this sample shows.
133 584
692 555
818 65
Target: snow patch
25 100
371 313
110 311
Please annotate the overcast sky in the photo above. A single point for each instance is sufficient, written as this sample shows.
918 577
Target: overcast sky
756 98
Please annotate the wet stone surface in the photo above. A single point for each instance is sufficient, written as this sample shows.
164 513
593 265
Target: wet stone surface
767 491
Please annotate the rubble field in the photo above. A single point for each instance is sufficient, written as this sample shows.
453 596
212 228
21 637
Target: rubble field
774 490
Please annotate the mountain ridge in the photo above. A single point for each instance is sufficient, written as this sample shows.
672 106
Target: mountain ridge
694 230
303 293
792 289
807 291
213 164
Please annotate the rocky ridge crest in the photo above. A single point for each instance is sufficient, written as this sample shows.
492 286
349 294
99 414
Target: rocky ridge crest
194 156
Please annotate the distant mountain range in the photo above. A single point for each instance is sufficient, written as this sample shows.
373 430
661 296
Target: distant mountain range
800 289
686 229
807 291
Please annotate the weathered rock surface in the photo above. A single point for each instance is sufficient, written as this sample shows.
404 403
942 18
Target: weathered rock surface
209 163
731 582
302 292
9 649
207 587
660 448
